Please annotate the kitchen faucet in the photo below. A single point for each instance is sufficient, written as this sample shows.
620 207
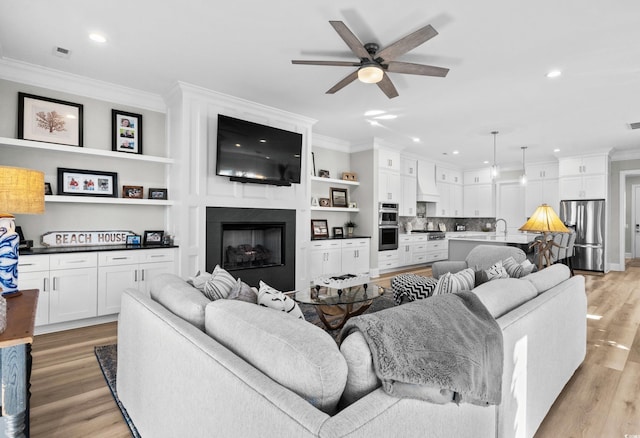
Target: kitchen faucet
505 225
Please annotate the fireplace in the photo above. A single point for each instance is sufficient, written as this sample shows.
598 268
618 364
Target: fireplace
253 244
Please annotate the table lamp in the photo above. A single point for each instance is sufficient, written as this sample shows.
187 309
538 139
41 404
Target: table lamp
544 220
21 191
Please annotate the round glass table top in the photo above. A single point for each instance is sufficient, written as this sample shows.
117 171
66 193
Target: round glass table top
325 296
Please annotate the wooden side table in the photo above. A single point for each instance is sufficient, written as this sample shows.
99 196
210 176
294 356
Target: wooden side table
15 363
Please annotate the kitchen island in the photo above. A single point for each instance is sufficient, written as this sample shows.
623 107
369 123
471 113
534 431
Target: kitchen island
461 243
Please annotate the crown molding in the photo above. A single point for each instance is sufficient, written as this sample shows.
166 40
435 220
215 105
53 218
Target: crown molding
39 76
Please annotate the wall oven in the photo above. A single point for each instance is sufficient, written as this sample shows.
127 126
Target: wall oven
387 226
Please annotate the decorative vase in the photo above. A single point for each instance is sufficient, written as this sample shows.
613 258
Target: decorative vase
9 241
349 231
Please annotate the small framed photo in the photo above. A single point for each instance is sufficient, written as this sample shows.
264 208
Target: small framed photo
158 194
50 120
338 197
126 132
324 173
338 232
153 238
134 239
47 189
132 192
319 229
87 182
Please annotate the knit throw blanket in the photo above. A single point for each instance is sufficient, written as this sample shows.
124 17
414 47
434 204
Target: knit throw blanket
441 349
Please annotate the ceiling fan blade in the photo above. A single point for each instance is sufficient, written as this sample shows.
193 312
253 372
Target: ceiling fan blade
343 83
332 63
352 41
387 86
417 69
407 43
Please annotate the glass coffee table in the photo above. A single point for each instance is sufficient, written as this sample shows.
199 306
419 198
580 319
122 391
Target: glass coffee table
335 306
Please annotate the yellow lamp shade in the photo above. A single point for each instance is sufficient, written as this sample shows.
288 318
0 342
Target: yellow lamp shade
544 219
21 190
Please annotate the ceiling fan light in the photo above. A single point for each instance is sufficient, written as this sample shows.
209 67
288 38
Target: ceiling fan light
370 74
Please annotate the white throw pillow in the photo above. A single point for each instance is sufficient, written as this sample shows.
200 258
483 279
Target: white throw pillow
518 270
220 284
497 271
452 283
274 299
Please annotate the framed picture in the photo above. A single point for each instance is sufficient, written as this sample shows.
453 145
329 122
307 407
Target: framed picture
324 173
153 237
126 132
50 120
134 239
87 182
132 192
158 194
319 229
47 189
338 232
338 197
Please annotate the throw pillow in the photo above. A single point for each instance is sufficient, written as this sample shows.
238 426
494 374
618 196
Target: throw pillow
497 271
219 285
453 283
518 270
199 280
411 287
273 298
481 277
241 291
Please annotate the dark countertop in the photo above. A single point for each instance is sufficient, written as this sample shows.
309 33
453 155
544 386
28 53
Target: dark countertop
355 236
92 248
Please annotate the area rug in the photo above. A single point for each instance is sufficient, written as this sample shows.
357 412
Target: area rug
107 356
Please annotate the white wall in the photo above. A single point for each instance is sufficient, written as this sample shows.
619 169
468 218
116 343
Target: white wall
192 122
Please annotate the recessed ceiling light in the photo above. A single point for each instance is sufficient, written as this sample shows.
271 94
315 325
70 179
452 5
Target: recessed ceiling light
262 140
387 117
456 152
97 38
556 150
371 113
485 162
373 123
554 74
416 140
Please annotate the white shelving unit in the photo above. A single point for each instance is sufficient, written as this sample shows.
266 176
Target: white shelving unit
336 209
335 181
17 143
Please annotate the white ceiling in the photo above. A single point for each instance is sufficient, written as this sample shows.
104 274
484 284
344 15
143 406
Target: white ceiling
499 52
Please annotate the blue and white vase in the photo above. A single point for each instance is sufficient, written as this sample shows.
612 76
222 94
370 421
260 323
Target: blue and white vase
9 241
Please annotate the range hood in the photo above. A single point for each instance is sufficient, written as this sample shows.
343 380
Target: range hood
427 189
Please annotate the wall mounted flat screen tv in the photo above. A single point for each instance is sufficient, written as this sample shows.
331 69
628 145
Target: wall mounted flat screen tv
255 153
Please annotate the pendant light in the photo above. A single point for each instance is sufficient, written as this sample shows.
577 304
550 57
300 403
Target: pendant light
523 178
495 170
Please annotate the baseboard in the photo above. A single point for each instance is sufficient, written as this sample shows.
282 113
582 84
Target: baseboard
68 325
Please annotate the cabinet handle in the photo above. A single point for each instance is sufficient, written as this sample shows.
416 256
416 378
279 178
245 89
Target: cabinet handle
120 258
135 275
142 271
45 284
76 261
27 264
155 256
54 283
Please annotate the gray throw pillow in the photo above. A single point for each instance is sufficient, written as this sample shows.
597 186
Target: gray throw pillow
453 283
219 285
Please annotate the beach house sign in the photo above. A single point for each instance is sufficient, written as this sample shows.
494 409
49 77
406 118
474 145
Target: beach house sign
85 238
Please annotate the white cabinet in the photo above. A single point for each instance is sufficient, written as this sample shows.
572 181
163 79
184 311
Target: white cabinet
355 256
408 166
447 175
478 200
537 171
478 176
415 249
408 202
119 270
389 160
338 256
584 177
83 285
388 259
67 283
437 250
541 191
389 186
450 203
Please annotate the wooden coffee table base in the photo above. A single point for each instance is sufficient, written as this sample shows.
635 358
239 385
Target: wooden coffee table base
335 316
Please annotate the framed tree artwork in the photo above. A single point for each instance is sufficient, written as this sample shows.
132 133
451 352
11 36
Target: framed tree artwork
49 120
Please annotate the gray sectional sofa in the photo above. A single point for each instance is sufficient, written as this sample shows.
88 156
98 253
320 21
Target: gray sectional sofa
190 367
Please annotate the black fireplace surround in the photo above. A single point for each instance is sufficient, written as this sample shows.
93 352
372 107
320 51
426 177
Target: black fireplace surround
260 244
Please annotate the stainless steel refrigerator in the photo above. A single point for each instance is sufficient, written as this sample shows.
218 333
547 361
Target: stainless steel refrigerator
586 217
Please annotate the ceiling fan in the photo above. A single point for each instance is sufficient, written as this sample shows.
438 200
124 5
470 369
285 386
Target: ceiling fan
374 64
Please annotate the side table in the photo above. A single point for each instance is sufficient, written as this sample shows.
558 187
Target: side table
15 363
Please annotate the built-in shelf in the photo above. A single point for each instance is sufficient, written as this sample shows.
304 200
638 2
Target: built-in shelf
14 142
105 200
336 209
335 181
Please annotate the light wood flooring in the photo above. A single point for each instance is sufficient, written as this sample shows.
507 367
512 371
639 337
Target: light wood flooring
71 399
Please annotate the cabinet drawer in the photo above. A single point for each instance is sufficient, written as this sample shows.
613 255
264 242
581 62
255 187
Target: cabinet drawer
384 256
437 255
419 258
156 255
388 264
73 261
350 243
438 246
33 263
114 258
420 248
325 244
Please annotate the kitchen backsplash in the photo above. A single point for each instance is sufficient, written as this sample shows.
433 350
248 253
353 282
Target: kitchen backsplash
451 223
